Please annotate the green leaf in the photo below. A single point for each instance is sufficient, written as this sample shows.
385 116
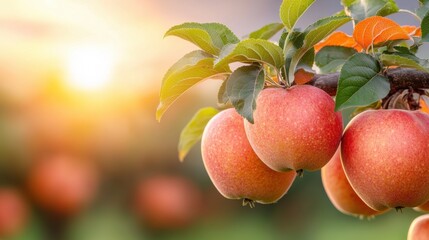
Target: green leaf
243 87
331 58
425 28
319 30
360 82
210 37
291 11
401 61
250 51
295 42
191 69
282 39
361 9
312 35
307 60
267 31
193 131
222 96
423 8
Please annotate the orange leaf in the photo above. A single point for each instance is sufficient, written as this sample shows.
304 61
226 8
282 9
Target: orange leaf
377 31
413 31
338 39
424 107
302 77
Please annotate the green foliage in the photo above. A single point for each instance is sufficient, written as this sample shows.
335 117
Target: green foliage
193 131
423 8
307 61
210 37
191 69
243 87
425 28
222 96
360 82
312 35
266 32
361 9
252 50
291 11
331 58
401 61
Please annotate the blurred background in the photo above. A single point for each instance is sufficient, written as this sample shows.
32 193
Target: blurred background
81 154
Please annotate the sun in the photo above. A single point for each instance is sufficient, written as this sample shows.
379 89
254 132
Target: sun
89 67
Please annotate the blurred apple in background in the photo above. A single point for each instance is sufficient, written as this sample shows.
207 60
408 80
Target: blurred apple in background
167 202
13 212
62 184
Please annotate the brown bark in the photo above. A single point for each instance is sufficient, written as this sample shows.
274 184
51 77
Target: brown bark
400 78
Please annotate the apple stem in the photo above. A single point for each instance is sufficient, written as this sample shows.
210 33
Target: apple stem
399 209
300 173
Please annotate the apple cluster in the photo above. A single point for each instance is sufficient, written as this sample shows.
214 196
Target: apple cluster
378 162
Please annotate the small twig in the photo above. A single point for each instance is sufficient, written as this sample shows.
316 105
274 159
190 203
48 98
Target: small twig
399 78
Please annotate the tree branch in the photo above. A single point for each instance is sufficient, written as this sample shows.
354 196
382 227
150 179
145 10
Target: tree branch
400 78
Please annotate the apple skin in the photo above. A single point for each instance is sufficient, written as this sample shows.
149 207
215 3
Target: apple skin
232 165
62 184
339 191
423 208
295 128
385 155
13 212
167 202
419 229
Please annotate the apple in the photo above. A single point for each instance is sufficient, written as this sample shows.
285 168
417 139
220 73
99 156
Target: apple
385 155
13 212
234 168
419 229
167 202
423 208
294 128
339 191
62 184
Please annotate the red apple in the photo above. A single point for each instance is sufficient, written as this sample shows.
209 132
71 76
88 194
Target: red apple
234 168
62 184
167 202
419 229
295 128
13 212
423 208
339 191
385 155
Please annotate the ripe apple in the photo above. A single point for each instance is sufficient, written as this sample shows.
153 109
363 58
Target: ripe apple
295 128
13 212
339 191
62 184
167 202
385 155
234 168
423 208
419 229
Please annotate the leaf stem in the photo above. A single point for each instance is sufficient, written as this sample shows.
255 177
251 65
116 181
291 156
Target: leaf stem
274 83
410 12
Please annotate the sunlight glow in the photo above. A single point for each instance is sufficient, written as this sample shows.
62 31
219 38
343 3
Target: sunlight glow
89 68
